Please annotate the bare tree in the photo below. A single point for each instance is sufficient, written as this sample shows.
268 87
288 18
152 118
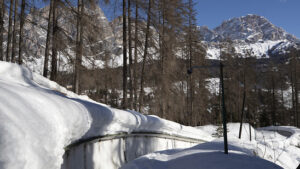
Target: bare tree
13 50
9 30
22 20
135 55
145 56
46 60
124 57
2 11
79 43
130 55
53 75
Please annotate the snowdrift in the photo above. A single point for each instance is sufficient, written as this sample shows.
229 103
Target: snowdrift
203 156
269 148
38 118
277 144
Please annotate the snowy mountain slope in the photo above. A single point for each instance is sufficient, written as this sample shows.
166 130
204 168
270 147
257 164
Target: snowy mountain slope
251 32
38 118
35 37
249 28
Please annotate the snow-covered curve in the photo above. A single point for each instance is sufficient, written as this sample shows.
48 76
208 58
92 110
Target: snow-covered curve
38 118
112 152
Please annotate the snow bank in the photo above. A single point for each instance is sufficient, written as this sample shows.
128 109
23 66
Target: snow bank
202 156
35 123
267 149
38 118
293 133
266 142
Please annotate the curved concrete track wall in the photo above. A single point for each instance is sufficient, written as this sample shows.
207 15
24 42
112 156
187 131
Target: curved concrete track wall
113 151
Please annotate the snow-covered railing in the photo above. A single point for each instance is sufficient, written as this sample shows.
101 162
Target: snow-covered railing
134 134
113 151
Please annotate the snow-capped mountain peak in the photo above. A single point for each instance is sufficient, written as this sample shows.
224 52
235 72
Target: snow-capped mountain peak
250 28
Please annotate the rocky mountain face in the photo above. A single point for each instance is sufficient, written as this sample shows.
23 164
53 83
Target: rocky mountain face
99 37
251 32
248 33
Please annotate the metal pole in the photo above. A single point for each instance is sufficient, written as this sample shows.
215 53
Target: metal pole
223 111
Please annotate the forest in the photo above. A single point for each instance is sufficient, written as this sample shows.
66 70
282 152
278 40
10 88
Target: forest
140 59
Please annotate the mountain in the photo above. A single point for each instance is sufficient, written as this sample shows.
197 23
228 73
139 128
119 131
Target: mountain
250 32
100 38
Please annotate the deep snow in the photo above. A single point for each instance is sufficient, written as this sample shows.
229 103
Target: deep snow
243 153
38 118
202 156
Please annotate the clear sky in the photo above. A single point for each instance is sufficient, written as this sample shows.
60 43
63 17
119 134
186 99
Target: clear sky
282 13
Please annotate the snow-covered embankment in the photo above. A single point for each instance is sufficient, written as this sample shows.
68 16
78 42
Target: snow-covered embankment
39 118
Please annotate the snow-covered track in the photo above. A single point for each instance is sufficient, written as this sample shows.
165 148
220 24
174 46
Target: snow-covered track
113 151
134 134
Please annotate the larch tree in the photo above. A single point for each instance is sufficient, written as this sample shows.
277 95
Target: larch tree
79 45
141 98
135 81
8 44
22 21
2 11
14 33
124 56
48 38
53 75
130 68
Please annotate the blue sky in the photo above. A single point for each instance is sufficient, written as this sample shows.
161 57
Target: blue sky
282 13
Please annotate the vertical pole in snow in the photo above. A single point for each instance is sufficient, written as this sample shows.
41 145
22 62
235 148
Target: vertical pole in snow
250 131
223 110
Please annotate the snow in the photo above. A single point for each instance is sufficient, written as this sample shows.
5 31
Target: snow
267 149
38 118
203 156
266 142
213 84
259 49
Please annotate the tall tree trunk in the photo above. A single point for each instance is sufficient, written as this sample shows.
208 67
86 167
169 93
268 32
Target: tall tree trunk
45 72
145 56
22 20
130 55
243 107
2 11
135 55
293 97
296 92
9 30
273 103
190 46
53 75
79 42
162 53
14 41
124 57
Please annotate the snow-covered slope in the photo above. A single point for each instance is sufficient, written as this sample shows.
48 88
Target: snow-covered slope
243 153
38 118
203 156
265 143
251 32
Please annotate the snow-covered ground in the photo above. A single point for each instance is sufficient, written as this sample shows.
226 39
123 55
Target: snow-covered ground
202 156
38 118
265 143
259 49
270 145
